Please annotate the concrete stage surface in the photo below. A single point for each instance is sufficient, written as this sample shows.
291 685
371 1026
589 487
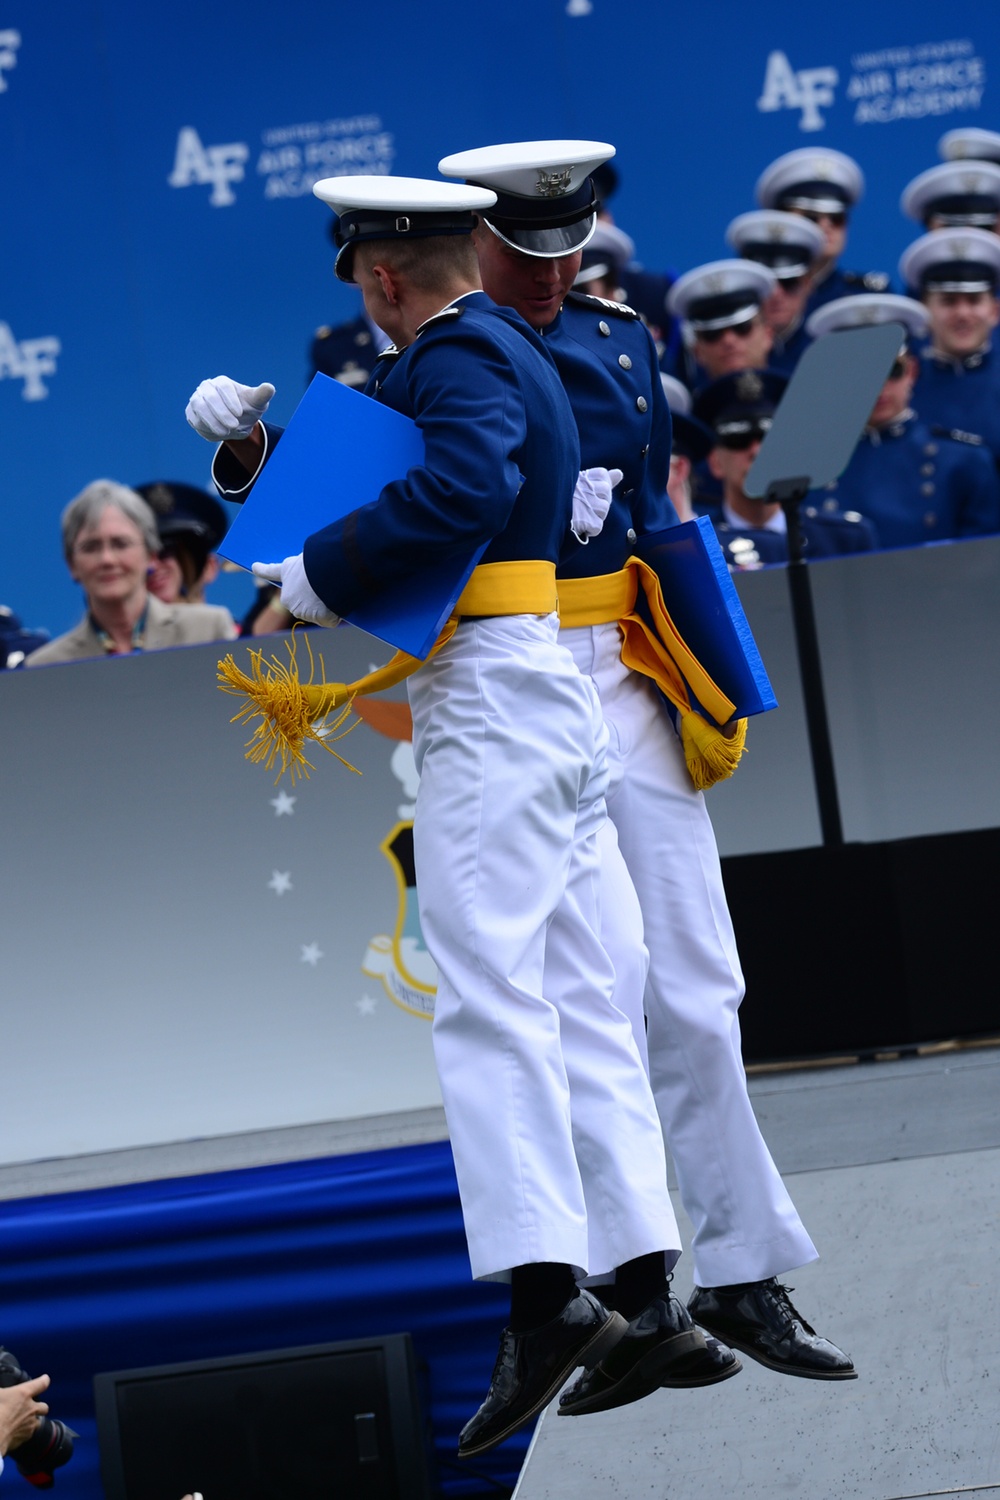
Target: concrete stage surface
895 1169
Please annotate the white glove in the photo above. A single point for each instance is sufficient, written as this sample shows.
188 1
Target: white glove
297 594
221 409
592 501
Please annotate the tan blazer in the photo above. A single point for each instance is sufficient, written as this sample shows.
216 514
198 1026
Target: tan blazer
166 625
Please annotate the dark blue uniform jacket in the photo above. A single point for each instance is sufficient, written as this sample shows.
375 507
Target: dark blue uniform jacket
608 366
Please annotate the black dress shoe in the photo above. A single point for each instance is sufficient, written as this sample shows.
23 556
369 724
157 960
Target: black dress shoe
660 1347
531 1367
759 1320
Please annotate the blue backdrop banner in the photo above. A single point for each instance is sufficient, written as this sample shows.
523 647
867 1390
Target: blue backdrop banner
266 1258
159 160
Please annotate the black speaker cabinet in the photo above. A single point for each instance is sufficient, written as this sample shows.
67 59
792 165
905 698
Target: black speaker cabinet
326 1422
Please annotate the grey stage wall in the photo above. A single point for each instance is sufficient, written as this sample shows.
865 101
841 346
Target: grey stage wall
186 954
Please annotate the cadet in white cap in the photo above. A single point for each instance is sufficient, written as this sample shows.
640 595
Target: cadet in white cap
753 532
961 194
915 482
970 142
546 206
791 247
554 1129
956 274
604 258
747 1231
823 185
721 309
692 443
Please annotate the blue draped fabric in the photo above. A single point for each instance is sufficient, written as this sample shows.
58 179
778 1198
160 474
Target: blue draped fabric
262 1258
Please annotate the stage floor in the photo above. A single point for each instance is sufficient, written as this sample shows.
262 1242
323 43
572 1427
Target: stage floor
895 1168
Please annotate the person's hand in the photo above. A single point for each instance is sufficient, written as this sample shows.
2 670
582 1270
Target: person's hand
20 1411
221 409
592 501
297 593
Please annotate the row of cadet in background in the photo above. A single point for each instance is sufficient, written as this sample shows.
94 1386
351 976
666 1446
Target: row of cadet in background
729 334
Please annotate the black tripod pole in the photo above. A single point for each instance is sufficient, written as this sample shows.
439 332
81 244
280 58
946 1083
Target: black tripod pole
790 493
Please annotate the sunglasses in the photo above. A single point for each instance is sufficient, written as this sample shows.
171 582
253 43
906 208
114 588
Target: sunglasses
741 330
898 370
837 220
789 283
738 442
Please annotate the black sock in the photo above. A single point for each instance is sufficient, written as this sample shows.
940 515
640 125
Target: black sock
538 1293
638 1281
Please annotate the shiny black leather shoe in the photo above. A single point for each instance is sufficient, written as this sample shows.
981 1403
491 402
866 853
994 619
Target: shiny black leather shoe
531 1367
660 1347
759 1320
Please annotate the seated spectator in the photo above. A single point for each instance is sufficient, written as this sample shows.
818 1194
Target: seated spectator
16 643
603 261
822 185
913 481
791 247
955 195
956 273
970 142
738 409
110 543
191 524
720 305
692 443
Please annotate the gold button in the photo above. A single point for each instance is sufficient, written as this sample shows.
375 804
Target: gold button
641 403
624 361
602 327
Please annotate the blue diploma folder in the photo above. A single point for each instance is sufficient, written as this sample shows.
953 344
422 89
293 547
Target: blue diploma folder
338 452
703 603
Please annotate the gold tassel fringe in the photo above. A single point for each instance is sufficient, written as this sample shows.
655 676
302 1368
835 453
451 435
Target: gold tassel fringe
291 712
711 754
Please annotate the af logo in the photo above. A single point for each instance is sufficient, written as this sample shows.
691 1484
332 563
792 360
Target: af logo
807 90
400 960
9 43
219 165
28 360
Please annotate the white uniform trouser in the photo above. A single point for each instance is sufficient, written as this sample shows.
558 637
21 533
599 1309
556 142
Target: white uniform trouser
745 1224
557 1144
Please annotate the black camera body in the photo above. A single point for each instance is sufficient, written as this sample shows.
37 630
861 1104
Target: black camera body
50 1445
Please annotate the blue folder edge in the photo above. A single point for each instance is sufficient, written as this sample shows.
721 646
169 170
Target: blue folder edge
337 453
703 603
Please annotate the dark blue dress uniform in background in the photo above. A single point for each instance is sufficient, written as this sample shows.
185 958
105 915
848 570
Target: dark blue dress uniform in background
608 366
845 284
824 534
918 483
961 394
346 352
490 475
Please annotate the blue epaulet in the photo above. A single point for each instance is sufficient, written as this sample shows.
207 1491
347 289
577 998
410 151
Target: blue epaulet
601 305
958 436
867 281
446 315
